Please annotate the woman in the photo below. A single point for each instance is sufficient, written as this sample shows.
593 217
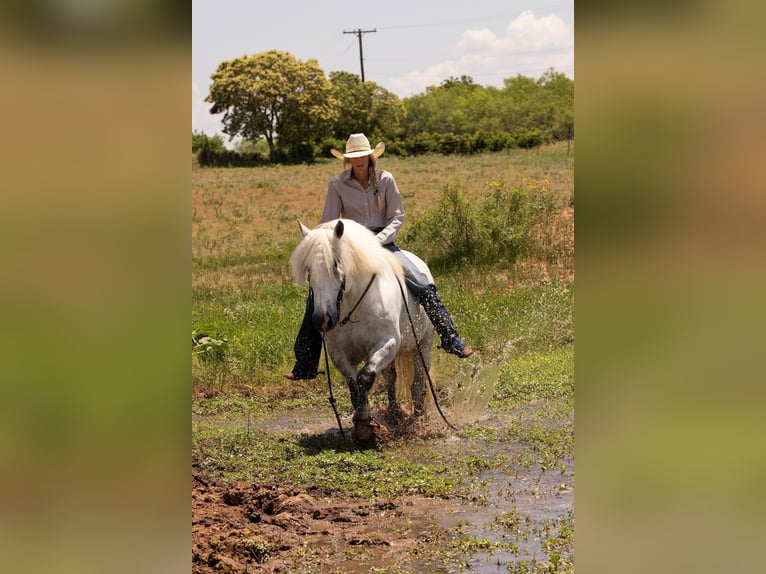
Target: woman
371 197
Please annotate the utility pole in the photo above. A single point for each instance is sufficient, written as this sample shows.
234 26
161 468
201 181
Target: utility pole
359 33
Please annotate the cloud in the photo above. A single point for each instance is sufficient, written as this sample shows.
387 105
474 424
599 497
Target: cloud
529 46
526 33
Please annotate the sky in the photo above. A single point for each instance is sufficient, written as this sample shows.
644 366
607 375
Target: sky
416 44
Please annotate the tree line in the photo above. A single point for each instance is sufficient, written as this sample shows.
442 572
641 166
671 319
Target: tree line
286 110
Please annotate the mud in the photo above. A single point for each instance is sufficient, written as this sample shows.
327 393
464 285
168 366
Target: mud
264 528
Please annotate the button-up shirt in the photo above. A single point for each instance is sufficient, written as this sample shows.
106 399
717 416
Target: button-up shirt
346 198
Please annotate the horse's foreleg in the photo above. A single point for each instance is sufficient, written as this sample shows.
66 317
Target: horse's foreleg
380 358
352 390
347 369
395 413
364 382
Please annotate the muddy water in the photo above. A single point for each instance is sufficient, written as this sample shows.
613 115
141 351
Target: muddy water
522 500
537 499
504 507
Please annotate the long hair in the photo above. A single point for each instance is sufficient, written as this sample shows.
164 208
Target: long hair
373 175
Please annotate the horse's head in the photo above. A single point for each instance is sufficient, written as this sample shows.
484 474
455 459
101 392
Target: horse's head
318 260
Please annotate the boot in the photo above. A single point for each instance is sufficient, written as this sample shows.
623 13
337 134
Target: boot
307 349
440 317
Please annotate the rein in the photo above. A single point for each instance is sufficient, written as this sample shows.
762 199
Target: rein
329 384
425 367
347 318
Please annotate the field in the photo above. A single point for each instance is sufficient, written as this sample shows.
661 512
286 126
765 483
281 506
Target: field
275 488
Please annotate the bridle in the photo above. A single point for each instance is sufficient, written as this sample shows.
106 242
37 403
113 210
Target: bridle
339 298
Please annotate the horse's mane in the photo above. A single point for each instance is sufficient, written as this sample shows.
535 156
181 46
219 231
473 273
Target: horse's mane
358 250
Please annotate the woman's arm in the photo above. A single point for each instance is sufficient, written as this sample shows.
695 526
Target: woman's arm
332 204
392 201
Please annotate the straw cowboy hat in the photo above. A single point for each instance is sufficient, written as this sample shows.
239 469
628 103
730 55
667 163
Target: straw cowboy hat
357 146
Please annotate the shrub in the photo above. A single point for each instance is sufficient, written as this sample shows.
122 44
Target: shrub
449 232
507 224
229 158
527 138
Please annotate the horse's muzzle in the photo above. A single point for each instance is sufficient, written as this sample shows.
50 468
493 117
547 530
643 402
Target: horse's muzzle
323 322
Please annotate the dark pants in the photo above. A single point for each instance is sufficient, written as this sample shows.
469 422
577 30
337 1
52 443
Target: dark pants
308 346
308 343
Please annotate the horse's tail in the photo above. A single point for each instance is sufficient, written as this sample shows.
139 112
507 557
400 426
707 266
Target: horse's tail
410 386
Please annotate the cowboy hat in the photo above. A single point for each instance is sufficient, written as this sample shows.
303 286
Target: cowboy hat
357 146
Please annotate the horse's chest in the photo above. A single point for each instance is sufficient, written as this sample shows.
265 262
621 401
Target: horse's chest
357 341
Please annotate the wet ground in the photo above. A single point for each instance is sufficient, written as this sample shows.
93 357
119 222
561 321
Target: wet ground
516 519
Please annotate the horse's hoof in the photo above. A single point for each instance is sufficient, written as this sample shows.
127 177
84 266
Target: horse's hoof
363 434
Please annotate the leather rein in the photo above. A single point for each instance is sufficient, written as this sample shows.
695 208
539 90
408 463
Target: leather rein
347 318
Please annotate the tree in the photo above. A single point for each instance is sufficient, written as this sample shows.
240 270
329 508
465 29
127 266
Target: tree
560 91
201 140
365 107
456 106
273 96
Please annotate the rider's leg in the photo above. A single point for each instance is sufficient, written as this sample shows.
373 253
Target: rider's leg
426 294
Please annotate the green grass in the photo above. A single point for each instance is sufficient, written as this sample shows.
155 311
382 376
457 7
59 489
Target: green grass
333 464
260 328
536 375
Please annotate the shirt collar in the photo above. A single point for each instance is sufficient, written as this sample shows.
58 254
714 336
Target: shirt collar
347 175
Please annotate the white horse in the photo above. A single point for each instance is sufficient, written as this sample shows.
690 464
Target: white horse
358 293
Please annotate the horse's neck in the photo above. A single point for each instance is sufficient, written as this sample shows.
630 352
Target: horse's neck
360 284
371 289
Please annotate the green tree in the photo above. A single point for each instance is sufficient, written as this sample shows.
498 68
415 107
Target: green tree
522 106
456 106
272 95
365 107
559 91
201 140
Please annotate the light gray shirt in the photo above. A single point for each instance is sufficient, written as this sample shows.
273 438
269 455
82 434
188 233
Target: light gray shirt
346 198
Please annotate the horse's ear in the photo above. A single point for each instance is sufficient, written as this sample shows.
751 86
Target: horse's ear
303 228
339 228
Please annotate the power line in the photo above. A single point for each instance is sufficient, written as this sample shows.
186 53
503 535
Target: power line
359 33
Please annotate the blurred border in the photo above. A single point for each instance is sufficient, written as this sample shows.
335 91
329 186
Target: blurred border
94 229
670 305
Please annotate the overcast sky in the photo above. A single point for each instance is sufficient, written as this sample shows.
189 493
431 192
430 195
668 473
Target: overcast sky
416 43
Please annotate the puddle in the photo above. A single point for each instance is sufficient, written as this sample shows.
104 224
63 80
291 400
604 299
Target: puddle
503 509
308 421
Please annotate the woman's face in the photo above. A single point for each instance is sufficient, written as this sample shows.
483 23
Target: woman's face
360 162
